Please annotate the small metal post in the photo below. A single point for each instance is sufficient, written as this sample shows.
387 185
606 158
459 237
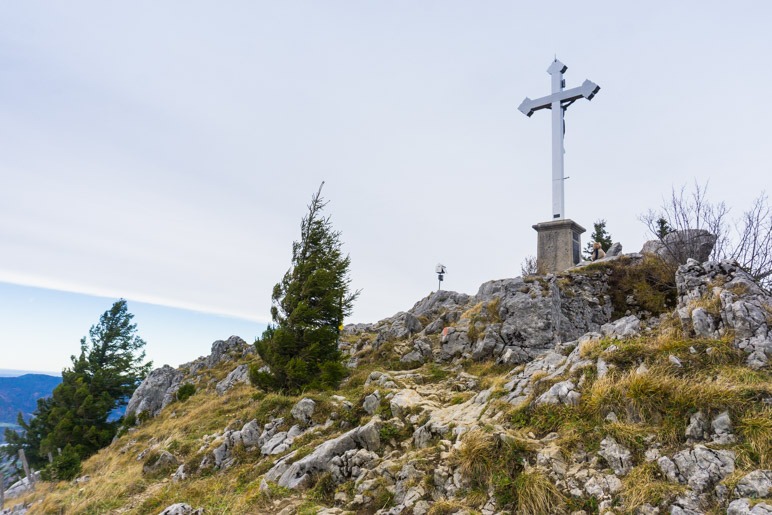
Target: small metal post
440 270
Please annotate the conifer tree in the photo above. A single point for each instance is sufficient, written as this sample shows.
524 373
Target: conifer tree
662 228
300 348
102 378
600 235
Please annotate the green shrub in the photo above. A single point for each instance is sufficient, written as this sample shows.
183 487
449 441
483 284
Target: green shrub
185 392
65 466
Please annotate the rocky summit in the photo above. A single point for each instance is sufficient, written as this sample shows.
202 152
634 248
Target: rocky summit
611 388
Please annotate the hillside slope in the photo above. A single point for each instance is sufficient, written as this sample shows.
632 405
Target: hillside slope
600 390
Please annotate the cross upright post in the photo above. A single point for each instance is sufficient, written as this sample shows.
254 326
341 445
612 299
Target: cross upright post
558 102
560 238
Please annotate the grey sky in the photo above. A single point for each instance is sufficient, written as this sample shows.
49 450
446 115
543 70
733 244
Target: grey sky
165 151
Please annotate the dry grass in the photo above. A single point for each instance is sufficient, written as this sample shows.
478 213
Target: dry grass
537 495
645 484
445 508
477 456
756 430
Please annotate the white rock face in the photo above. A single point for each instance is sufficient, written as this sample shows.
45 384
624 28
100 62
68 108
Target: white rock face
181 509
303 411
701 468
297 474
563 392
743 507
617 456
238 375
742 307
756 484
156 391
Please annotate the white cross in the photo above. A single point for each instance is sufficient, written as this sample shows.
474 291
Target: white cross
558 102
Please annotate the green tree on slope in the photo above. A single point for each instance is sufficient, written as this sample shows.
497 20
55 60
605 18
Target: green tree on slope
101 379
308 308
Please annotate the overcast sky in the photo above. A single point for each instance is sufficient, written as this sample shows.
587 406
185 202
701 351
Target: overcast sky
165 152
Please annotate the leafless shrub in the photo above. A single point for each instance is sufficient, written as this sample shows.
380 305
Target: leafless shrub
748 240
529 266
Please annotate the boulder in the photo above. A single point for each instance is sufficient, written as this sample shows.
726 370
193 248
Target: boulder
624 327
303 411
224 350
372 402
563 392
614 250
617 456
701 468
679 246
238 375
156 392
756 484
697 430
740 302
181 508
722 429
744 507
299 473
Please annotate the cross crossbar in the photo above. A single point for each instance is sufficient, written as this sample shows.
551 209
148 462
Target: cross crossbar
587 90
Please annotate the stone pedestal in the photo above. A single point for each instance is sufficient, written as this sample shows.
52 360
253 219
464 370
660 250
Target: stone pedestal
560 245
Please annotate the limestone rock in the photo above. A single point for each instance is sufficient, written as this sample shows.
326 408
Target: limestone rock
298 474
155 392
756 484
701 468
617 456
678 246
742 306
303 411
722 429
614 250
372 402
563 392
181 508
697 429
223 350
743 507
238 375
622 328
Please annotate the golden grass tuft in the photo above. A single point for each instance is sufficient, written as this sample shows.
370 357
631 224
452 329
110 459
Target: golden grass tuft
477 456
537 495
645 484
445 508
756 431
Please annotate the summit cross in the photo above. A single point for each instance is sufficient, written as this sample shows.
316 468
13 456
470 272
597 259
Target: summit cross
558 102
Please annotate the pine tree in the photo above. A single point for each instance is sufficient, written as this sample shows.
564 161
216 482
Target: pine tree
101 379
600 235
308 308
662 228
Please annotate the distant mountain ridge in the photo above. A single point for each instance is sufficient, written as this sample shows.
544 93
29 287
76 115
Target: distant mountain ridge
20 394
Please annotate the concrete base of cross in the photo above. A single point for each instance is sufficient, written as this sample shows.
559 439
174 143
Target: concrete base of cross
559 245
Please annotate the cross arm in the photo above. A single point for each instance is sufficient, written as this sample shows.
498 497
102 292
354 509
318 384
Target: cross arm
587 90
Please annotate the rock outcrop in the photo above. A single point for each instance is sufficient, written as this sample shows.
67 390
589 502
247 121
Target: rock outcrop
156 392
718 299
